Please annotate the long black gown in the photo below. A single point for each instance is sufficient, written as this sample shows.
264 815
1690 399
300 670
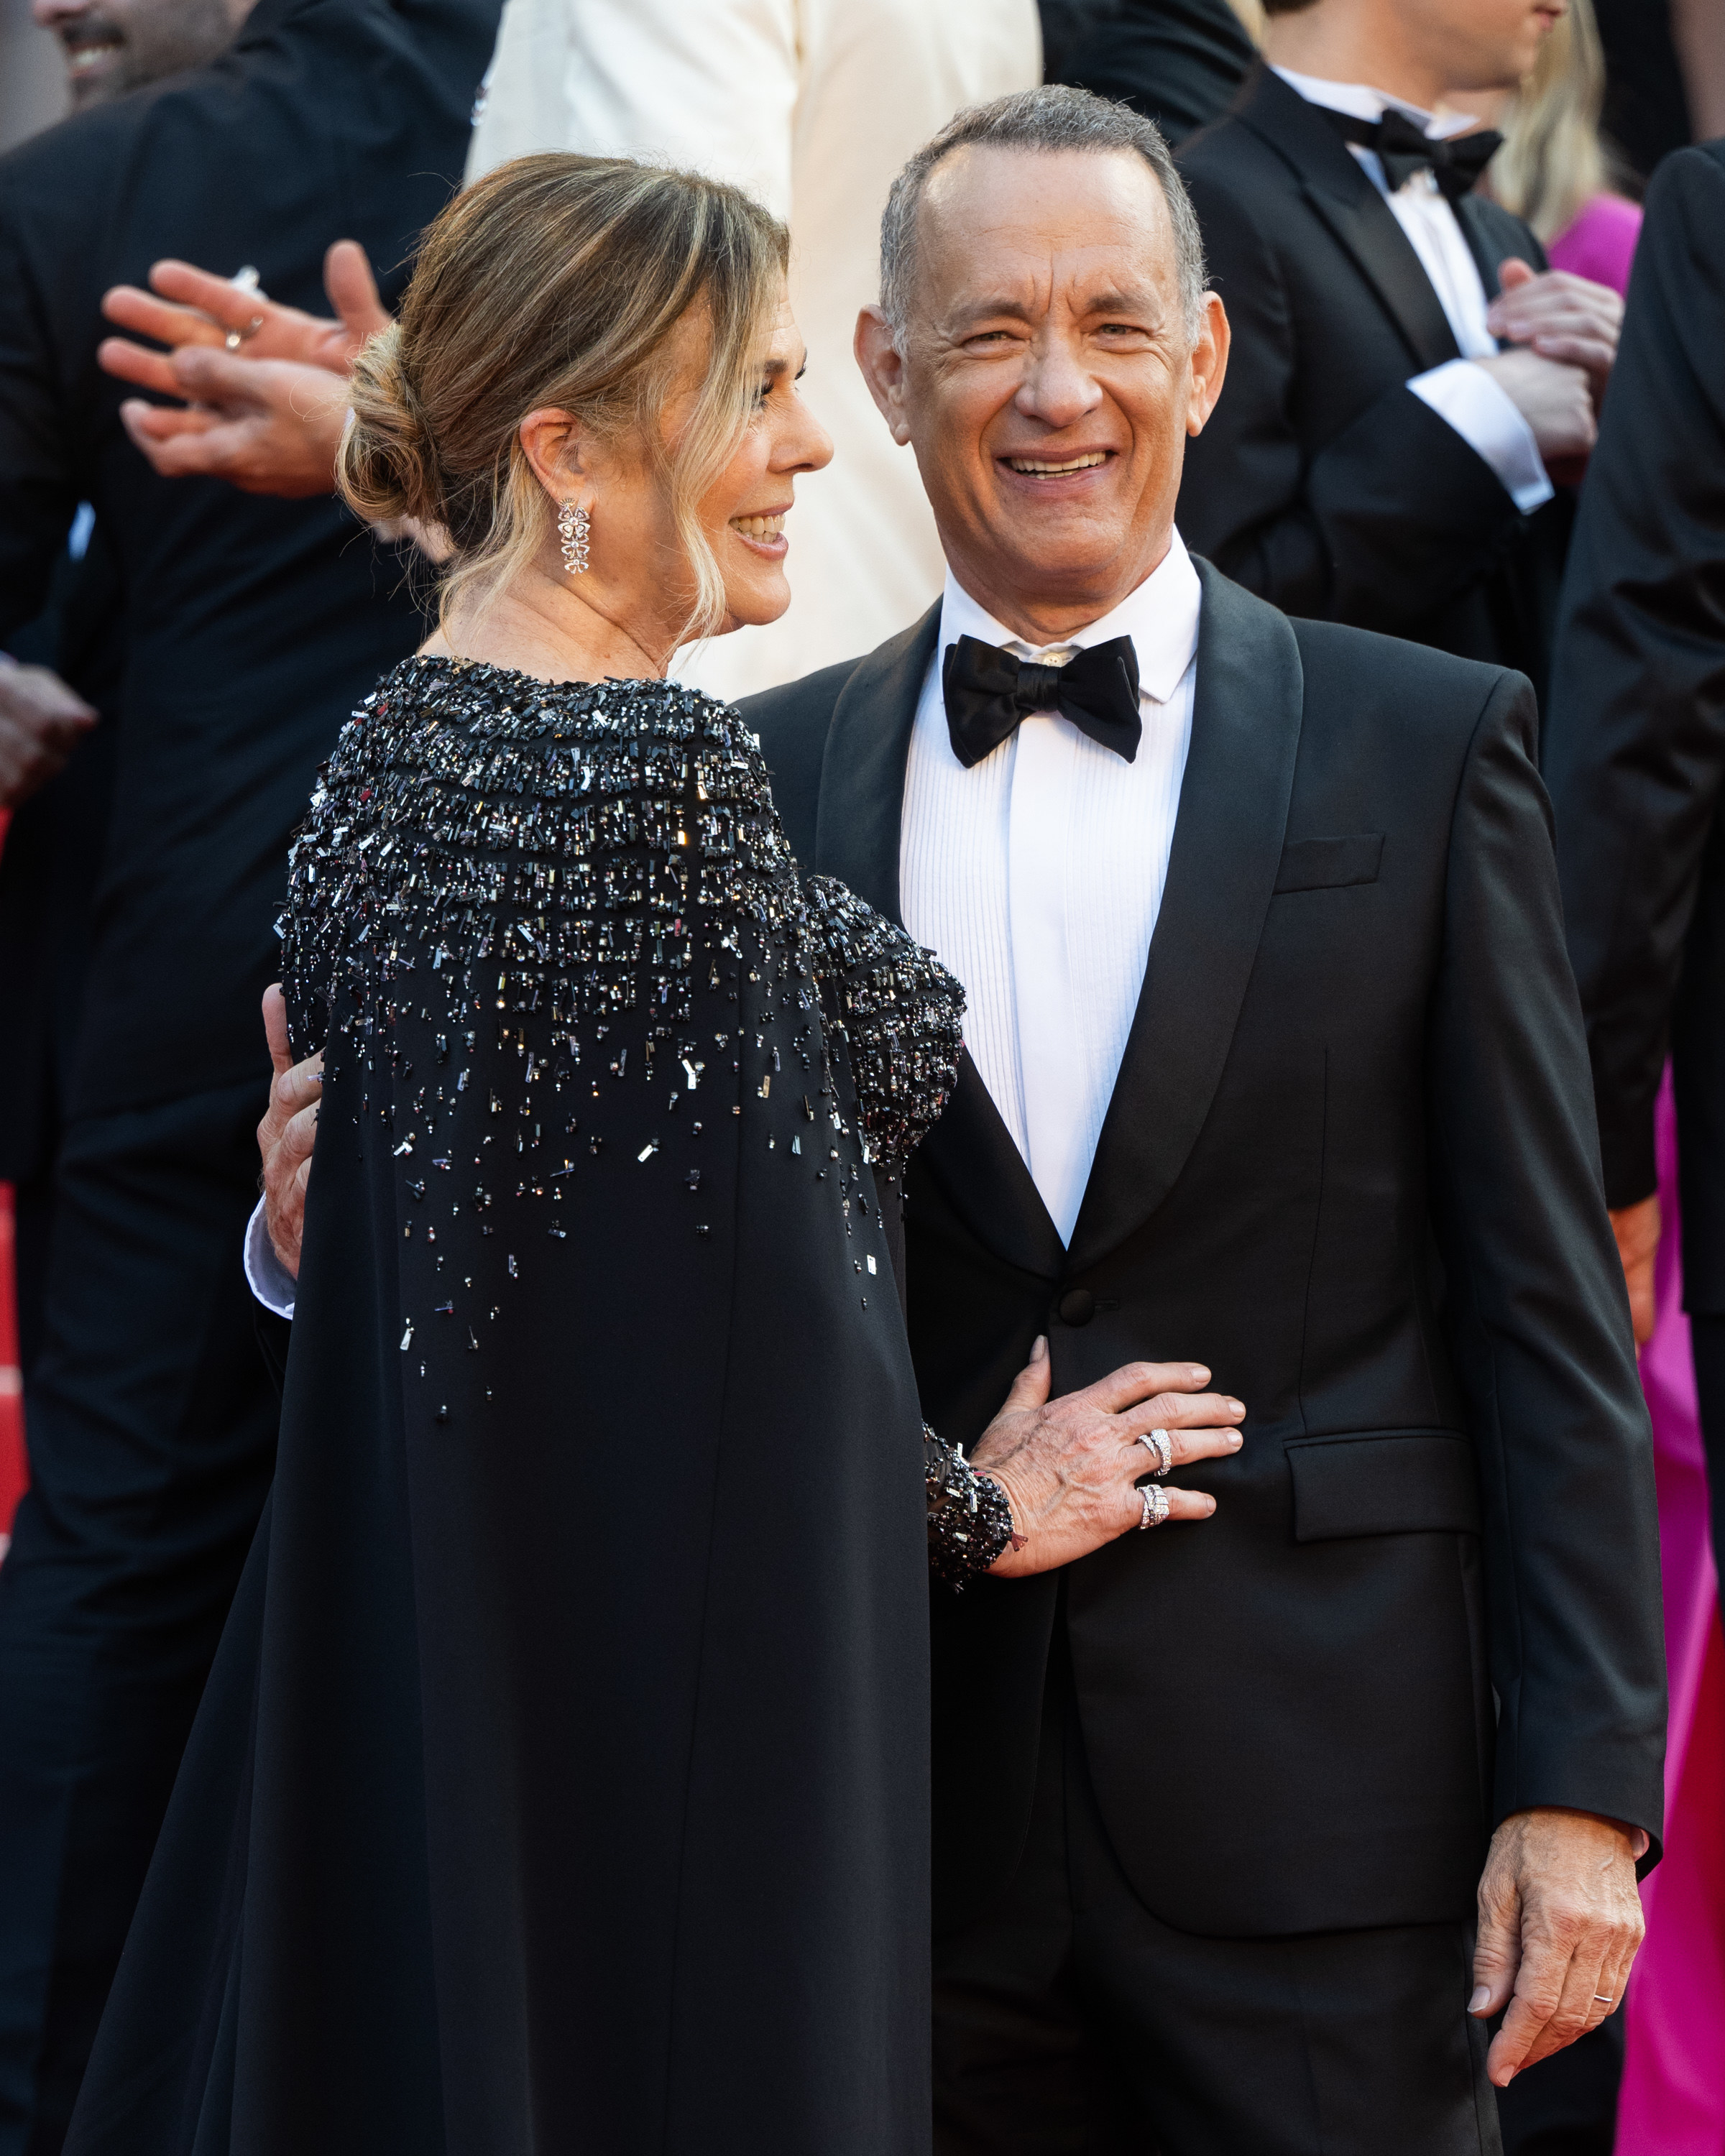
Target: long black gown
561 1783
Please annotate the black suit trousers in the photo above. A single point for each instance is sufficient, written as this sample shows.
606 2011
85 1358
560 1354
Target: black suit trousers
1069 2021
150 1420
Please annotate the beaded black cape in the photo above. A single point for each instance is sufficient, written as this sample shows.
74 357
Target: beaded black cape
569 1746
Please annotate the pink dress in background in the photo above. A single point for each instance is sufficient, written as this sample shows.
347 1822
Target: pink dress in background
1673 2097
1601 242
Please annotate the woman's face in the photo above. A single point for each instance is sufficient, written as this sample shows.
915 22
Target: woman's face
638 576
744 511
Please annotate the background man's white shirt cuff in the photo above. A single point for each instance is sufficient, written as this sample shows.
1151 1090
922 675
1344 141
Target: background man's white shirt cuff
1484 416
265 1276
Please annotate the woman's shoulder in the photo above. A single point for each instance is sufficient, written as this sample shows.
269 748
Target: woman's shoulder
455 717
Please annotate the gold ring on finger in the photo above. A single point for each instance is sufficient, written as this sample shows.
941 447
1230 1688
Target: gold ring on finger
1156 1506
1163 1446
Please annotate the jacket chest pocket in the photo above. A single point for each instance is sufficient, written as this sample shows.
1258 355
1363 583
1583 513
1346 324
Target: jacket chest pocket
1383 1482
1330 864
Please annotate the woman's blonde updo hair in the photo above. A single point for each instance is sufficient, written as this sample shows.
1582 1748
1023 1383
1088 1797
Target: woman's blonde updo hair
557 280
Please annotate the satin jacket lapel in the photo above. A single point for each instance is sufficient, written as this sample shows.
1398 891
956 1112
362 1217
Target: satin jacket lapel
862 771
1355 213
857 833
1227 848
1484 245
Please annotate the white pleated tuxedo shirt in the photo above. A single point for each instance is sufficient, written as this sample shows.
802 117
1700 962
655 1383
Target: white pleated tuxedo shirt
1037 876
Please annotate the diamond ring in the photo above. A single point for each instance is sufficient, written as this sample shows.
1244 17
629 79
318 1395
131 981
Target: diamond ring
1162 1445
1155 1503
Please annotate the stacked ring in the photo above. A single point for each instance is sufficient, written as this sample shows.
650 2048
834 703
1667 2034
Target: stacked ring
1156 1506
1162 1445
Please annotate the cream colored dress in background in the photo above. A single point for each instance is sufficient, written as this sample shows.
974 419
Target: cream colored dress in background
813 105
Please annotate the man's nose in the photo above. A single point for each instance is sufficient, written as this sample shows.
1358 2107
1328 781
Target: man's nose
1057 389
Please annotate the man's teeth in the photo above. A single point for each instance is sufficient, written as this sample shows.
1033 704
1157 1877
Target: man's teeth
759 528
1072 464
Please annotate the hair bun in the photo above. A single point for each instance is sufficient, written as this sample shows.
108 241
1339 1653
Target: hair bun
388 467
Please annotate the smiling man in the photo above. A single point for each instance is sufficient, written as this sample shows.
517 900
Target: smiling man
112 46
1273 1059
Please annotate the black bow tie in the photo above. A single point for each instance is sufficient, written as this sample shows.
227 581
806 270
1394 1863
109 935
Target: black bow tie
989 692
1404 149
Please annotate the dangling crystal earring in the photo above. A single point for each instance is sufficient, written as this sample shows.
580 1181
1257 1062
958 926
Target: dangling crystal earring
573 523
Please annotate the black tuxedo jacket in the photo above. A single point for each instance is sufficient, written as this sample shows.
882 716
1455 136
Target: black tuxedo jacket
1634 741
250 626
1321 482
1179 62
1350 1164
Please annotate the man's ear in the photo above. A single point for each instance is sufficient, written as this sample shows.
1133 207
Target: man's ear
1208 363
883 369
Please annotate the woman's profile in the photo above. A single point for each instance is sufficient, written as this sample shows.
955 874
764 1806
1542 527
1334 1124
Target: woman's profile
561 1783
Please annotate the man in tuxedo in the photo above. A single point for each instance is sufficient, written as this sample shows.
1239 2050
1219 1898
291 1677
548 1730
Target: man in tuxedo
246 630
1378 457
1179 62
1244 1835
1635 756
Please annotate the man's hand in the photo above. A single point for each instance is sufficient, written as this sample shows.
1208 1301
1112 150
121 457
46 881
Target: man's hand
286 1135
1560 317
41 722
1557 403
1637 1228
1560 1920
1069 1467
267 426
267 417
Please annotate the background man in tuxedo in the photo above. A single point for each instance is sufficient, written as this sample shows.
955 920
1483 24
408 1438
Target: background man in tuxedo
1379 460
1635 756
237 634
1273 1059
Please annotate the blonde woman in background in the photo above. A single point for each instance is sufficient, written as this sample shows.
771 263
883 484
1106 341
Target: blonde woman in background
1555 169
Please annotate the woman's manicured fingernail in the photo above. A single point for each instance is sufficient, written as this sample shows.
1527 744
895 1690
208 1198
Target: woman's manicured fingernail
1481 1998
1234 1441
1039 1348
1234 1407
1200 1376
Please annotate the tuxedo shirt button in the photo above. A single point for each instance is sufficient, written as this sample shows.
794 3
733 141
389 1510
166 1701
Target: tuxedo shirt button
1076 1307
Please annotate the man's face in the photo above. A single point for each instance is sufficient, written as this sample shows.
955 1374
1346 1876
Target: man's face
1479 44
1047 381
114 45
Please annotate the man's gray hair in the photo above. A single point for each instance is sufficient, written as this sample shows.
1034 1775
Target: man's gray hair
1056 117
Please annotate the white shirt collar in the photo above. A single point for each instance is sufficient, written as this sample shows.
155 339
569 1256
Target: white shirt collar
1160 616
1358 99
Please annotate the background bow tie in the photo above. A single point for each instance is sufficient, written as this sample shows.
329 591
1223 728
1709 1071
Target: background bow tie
1403 149
989 692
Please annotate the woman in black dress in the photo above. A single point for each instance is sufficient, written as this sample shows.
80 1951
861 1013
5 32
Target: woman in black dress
561 1785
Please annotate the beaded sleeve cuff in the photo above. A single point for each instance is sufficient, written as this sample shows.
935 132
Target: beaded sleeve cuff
969 1520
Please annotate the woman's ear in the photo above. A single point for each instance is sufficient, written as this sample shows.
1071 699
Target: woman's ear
554 446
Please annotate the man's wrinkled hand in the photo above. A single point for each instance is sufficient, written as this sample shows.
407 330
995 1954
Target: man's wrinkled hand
287 1135
42 720
1559 316
1560 1920
1637 1228
267 426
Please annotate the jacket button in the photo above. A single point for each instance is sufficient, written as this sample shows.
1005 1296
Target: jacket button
1076 1307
